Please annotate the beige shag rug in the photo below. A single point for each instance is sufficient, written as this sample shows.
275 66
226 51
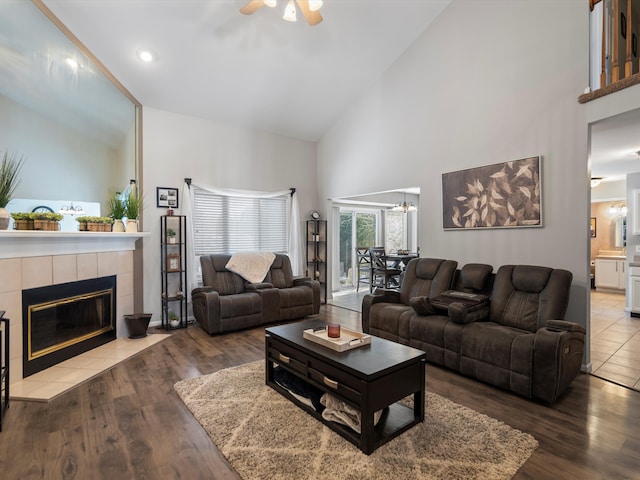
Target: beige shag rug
264 435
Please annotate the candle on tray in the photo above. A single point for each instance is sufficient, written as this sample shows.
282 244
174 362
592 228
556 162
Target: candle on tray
333 330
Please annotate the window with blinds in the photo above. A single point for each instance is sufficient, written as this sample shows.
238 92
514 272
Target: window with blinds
225 224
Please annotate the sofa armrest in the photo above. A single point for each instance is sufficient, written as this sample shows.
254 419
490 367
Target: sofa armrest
252 287
206 309
300 280
564 326
381 295
462 313
557 358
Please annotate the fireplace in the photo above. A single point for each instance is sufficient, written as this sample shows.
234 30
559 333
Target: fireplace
64 320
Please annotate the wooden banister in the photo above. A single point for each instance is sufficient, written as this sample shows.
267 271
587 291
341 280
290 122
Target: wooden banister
592 3
628 65
615 70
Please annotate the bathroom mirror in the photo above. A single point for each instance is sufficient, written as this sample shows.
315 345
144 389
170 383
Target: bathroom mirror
76 126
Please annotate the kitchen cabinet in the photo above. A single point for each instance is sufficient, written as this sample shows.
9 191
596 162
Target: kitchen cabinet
611 273
634 294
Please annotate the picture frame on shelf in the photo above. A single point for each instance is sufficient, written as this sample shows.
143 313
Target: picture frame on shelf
167 197
173 262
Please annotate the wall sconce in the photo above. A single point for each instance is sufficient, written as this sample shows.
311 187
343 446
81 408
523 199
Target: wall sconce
618 209
595 181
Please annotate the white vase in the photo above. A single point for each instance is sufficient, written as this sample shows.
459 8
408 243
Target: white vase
132 226
4 219
118 226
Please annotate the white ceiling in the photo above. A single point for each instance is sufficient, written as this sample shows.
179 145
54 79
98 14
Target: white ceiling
256 71
262 72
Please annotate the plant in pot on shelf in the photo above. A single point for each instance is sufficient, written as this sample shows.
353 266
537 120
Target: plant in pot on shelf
174 321
132 205
116 207
171 235
10 169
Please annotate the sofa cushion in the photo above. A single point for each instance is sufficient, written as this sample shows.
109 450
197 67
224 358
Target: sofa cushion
526 296
474 276
499 355
427 277
280 274
391 321
241 304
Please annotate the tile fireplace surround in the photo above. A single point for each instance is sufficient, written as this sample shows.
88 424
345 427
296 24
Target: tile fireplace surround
30 259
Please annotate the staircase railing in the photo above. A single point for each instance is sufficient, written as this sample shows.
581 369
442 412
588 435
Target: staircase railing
615 28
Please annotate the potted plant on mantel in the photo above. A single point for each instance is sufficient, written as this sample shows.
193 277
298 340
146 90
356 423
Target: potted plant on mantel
9 180
117 210
132 206
22 221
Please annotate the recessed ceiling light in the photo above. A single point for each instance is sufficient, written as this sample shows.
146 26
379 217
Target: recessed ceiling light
146 55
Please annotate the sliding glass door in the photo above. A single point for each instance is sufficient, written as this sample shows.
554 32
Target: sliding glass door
358 229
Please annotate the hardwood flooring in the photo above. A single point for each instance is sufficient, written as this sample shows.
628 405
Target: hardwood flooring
128 423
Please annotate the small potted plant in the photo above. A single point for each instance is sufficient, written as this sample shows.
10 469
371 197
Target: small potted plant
83 223
132 206
53 221
40 220
171 235
116 207
174 321
22 221
10 169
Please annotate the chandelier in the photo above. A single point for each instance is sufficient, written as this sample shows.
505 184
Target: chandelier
403 206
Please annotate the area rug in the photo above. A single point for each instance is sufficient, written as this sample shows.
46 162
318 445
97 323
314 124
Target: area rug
264 435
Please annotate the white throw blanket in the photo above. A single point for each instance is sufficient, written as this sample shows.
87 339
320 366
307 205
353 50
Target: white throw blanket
252 266
338 411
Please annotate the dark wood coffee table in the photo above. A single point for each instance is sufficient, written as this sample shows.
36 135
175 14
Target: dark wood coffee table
370 378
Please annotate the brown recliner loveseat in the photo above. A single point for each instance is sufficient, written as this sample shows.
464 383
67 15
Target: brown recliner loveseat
505 329
227 302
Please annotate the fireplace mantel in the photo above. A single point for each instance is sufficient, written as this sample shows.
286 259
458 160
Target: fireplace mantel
36 243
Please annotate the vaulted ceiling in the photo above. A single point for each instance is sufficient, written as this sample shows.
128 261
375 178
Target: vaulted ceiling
257 71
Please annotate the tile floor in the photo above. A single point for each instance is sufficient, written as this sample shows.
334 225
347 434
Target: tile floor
615 340
48 384
615 336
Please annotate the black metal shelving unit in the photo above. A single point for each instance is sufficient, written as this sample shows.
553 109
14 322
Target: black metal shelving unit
173 268
4 362
317 254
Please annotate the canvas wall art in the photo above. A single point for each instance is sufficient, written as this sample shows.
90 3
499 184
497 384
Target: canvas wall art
502 195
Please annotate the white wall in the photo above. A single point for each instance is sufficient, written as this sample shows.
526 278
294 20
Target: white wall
488 82
210 153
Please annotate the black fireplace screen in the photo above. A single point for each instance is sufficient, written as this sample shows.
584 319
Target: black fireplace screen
64 320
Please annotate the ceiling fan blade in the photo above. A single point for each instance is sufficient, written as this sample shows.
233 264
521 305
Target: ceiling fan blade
252 6
313 18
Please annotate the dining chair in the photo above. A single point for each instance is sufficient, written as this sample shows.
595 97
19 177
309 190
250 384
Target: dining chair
363 267
381 274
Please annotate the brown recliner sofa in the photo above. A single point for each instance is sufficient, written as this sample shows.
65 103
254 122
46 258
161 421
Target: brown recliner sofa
228 302
505 329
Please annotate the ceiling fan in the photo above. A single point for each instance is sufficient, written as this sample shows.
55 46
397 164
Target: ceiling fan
309 8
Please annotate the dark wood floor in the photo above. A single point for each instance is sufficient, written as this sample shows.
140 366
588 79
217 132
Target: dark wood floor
128 423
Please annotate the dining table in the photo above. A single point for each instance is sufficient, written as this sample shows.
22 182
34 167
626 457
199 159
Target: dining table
400 260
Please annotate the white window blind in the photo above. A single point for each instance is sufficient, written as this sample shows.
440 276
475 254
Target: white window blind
226 224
